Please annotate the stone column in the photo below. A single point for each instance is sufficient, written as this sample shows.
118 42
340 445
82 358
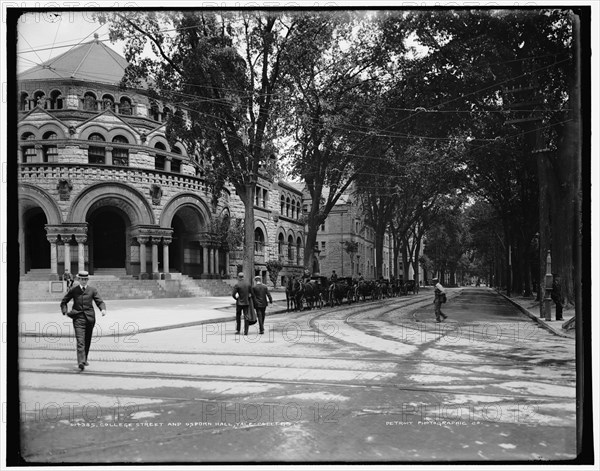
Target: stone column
142 241
211 261
166 243
53 239
204 260
108 155
217 261
168 163
67 244
39 154
226 263
81 240
154 256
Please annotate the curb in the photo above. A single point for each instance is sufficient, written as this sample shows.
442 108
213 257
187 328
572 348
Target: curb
540 321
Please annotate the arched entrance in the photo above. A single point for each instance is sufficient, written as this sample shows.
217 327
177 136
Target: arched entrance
186 255
37 247
108 239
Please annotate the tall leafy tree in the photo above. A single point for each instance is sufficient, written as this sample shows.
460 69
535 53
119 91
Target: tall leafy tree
334 86
223 69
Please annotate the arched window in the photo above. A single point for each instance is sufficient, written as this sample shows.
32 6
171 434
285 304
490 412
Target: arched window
287 207
50 151
89 101
120 155
282 205
108 102
28 151
154 113
24 102
96 153
56 100
176 150
259 241
40 99
125 106
280 244
290 249
159 159
166 113
298 247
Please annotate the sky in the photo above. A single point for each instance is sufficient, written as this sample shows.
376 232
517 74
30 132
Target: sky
43 35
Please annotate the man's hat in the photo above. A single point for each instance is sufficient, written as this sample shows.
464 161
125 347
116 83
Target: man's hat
83 274
240 275
435 279
257 278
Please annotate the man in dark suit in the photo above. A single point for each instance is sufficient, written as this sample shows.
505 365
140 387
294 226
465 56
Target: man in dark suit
260 294
83 315
241 293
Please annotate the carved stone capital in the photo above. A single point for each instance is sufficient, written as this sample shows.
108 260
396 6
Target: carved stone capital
81 239
142 239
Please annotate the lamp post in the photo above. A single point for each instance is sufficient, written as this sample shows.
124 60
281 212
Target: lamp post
358 263
547 303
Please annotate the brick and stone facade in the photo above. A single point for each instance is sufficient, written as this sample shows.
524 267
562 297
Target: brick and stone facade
101 187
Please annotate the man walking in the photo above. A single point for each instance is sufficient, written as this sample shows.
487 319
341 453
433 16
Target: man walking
241 293
439 298
557 296
83 315
260 293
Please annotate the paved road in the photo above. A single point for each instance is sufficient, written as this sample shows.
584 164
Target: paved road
375 381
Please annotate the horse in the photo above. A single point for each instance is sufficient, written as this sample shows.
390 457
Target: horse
410 285
308 292
366 288
338 291
292 287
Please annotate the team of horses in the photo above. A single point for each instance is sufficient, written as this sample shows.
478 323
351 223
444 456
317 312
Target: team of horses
319 291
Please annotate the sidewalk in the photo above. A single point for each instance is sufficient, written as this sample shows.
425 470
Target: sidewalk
133 316
530 307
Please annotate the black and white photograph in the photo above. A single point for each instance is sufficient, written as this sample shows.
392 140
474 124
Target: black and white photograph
305 234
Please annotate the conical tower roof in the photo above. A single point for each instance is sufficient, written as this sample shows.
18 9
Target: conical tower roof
92 61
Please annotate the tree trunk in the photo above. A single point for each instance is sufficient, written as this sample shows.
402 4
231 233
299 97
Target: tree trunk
248 200
379 238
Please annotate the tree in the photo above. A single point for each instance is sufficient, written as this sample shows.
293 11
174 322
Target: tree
274 266
333 89
224 70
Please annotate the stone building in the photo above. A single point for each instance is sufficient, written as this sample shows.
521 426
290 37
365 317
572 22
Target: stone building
345 226
100 188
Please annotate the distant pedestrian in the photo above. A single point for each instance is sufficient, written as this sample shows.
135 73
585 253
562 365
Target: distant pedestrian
83 315
438 300
306 276
242 294
68 277
260 294
557 296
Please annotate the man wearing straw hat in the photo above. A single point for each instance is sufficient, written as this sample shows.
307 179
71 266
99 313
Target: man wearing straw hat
83 315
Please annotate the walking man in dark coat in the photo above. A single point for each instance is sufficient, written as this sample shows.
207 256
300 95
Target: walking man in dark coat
242 294
261 294
83 315
439 296
557 296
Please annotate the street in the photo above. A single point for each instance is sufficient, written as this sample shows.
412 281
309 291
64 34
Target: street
372 381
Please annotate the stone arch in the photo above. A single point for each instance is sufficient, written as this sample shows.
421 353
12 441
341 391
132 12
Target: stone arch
31 196
59 130
123 131
127 199
155 139
258 224
179 201
93 128
29 128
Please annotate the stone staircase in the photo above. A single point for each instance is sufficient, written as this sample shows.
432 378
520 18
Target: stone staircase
116 284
